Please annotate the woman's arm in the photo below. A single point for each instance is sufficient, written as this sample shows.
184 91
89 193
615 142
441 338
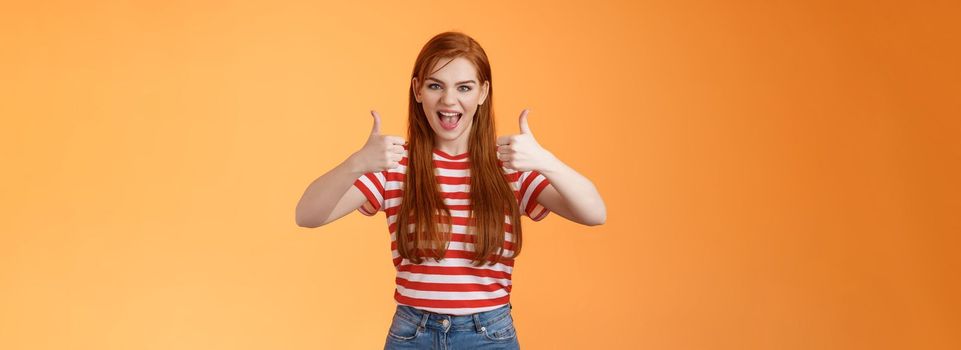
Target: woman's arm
572 195
329 197
569 193
333 195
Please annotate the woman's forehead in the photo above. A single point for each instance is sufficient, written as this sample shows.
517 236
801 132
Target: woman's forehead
453 70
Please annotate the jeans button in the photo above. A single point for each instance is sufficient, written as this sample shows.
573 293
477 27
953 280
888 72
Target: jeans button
445 322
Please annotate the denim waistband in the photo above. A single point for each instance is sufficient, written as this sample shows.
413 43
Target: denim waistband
473 322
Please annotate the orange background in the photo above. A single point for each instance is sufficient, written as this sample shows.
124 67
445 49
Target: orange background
778 175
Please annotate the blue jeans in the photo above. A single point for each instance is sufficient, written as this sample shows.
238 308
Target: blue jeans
412 328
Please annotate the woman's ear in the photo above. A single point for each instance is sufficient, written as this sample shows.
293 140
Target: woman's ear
413 85
484 91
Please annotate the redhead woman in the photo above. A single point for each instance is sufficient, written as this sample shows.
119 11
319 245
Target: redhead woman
453 194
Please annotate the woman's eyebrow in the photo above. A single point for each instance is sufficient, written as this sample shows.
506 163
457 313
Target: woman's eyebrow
458 83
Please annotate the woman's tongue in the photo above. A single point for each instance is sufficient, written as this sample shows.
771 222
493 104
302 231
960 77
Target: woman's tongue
447 122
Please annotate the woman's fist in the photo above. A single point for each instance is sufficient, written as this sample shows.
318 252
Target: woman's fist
521 152
381 152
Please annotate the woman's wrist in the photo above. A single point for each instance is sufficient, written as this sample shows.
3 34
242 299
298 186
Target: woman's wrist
354 165
551 165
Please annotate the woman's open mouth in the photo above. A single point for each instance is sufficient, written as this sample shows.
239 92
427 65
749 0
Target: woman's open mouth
449 120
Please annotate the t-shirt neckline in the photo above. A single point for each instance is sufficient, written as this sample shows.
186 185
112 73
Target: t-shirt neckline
448 156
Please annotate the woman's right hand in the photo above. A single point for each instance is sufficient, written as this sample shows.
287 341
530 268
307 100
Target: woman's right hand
381 152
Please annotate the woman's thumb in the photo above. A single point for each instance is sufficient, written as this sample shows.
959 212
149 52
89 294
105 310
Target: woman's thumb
376 128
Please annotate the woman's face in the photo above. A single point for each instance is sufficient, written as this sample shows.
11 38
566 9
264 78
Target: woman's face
450 97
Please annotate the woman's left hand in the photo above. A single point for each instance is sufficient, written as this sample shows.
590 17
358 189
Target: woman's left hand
521 152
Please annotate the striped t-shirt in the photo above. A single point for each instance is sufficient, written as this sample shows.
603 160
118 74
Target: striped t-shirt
452 285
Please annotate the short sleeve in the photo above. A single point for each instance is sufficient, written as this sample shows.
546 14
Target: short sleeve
531 185
372 186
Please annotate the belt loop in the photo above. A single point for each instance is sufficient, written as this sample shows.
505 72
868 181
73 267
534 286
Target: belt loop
423 320
477 324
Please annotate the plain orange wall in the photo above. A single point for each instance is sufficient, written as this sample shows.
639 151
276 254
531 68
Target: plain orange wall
778 175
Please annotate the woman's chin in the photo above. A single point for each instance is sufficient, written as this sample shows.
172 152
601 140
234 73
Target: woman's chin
450 135
446 136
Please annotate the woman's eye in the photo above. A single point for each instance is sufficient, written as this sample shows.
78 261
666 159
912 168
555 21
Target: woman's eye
465 87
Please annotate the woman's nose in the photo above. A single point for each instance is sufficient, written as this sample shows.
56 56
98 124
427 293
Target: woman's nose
449 98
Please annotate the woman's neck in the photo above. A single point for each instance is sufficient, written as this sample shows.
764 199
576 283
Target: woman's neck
455 147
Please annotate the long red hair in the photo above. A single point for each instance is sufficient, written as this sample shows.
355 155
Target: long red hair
491 197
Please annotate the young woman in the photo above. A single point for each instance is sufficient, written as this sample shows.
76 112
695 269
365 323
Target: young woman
468 186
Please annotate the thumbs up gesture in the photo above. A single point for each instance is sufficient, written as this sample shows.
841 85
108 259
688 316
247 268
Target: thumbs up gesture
381 152
521 152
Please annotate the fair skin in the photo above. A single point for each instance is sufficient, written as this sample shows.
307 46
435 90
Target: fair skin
451 88
569 194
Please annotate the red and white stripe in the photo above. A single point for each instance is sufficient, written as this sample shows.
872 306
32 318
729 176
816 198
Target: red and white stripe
452 285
